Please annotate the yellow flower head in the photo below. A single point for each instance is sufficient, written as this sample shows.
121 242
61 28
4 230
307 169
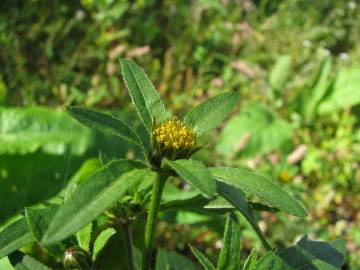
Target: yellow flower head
172 139
174 135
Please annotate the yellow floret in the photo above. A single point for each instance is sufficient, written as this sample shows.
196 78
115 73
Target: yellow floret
174 135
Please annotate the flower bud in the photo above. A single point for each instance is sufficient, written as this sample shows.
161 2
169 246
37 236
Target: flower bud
77 258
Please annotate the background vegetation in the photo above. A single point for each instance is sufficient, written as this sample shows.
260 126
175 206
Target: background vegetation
296 65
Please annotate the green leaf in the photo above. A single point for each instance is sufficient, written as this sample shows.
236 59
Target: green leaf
270 261
195 173
84 237
203 260
306 254
252 183
250 263
15 236
315 94
280 73
211 113
105 123
344 93
26 130
255 130
29 263
39 219
166 260
237 198
5 264
230 253
143 94
94 196
101 241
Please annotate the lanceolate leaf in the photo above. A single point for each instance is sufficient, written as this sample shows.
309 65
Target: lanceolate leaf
101 241
230 253
195 173
94 196
15 236
237 198
252 183
39 219
306 254
211 113
203 260
105 123
250 263
143 94
84 237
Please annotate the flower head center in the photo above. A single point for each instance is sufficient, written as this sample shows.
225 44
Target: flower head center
174 135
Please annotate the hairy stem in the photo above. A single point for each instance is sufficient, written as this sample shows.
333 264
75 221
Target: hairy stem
157 190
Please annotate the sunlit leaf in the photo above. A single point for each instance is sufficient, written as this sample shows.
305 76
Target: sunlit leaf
211 113
252 183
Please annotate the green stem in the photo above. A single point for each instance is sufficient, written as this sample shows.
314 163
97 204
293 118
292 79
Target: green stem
129 244
157 190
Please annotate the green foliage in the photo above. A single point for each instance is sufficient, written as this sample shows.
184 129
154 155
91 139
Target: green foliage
280 72
143 94
344 93
256 130
104 123
230 253
211 113
171 260
91 198
101 241
196 174
306 254
15 236
255 184
203 260
295 65
25 130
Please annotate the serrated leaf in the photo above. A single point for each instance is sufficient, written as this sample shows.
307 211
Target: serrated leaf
15 236
202 259
211 113
252 183
230 253
39 219
143 94
94 196
166 260
250 263
237 198
101 241
104 123
84 237
196 174
280 72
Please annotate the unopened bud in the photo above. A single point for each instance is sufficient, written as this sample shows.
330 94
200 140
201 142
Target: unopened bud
77 258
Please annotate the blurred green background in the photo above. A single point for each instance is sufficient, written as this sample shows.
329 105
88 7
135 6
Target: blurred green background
295 63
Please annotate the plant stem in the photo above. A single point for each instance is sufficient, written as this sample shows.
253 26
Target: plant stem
157 190
130 245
